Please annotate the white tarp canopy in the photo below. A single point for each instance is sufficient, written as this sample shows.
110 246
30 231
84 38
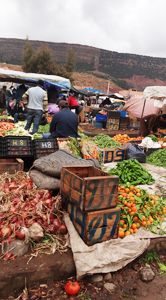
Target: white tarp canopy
22 77
158 93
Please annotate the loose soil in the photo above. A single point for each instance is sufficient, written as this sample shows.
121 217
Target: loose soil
128 286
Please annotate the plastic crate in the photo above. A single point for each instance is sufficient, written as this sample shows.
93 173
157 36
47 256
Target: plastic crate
101 118
44 147
112 114
1 146
122 113
149 151
98 124
6 120
17 146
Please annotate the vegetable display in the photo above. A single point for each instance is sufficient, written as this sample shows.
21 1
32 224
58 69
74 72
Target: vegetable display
157 158
153 137
138 208
105 141
23 206
131 172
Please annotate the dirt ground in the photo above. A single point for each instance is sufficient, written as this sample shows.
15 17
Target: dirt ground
127 281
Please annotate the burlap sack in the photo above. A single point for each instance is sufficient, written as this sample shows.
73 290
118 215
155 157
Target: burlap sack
52 164
43 181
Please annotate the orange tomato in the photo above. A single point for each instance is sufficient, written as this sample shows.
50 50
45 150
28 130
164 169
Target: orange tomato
127 232
132 198
138 194
136 218
128 204
143 218
131 187
125 202
135 230
127 190
133 226
131 194
148 223
125 226
122 221
143 223
121 233
134 209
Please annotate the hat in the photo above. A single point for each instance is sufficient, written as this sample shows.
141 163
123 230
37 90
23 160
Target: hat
63 103
163 116
40 82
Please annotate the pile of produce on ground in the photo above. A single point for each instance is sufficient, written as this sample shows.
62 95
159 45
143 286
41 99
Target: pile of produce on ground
131 172
84 147
70 144
5 127
124 138
157 158
18 130
138 208
105 141
30 214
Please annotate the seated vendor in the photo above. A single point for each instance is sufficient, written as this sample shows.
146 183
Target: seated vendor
150 123
64 123
19 112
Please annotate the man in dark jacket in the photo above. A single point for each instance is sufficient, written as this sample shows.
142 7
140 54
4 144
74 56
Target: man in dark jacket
19 112
64 123
149 124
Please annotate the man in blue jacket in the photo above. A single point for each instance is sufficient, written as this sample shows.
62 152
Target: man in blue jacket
64 123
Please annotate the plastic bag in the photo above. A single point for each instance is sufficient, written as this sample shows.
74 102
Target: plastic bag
134 151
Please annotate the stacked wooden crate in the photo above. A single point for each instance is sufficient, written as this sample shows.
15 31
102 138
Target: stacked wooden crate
90 197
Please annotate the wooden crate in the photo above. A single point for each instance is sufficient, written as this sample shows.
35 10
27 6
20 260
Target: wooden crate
113 154
97 226
11 165
88 187
112 124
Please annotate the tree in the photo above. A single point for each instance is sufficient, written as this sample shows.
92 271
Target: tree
42 62
27 56
70 61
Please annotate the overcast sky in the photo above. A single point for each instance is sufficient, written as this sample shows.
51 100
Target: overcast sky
125 26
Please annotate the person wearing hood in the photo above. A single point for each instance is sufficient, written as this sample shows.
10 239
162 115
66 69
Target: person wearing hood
150 123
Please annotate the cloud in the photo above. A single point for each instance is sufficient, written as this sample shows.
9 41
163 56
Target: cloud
124 26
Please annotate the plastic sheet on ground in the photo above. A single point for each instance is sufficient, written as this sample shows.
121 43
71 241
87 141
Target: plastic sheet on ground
112 255
104 257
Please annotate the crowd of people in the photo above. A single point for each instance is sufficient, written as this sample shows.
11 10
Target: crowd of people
31 104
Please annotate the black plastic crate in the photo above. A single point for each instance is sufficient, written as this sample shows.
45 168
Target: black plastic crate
43 147
112 114
124 120
17 146
149 151
1 146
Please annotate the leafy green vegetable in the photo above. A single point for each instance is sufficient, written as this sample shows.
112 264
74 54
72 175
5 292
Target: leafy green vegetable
105 141
157 158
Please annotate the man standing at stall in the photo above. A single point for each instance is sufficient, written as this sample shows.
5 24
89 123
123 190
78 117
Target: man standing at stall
37 101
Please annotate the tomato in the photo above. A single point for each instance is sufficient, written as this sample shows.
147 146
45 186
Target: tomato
72 288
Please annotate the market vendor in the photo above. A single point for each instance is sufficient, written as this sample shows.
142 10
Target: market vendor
64 123
19 112
73 104
149 124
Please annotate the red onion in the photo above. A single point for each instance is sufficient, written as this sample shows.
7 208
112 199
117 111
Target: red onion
6 232
52 228
63 229
16 200
20 234
57 223
48 202
14 219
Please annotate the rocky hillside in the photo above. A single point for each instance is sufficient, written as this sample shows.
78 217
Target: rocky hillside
123 69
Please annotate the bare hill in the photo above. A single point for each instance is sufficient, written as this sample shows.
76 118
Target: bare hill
124 69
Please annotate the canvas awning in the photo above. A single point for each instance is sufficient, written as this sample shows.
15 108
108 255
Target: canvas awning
158 93
30 78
